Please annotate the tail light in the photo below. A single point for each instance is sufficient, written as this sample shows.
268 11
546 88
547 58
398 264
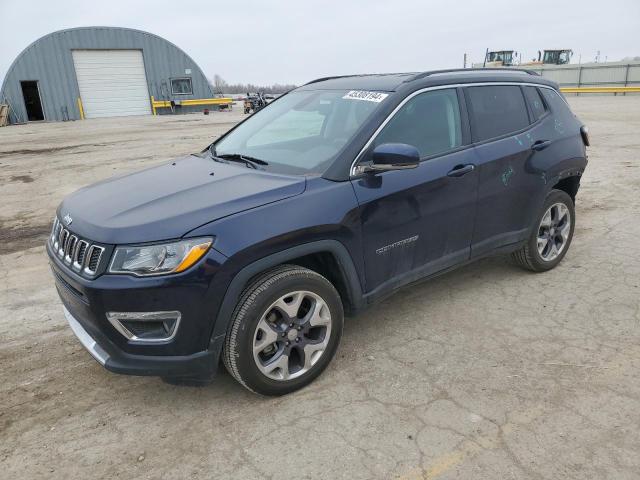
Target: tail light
584 132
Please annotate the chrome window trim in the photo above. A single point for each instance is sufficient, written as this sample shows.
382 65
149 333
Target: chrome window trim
353 172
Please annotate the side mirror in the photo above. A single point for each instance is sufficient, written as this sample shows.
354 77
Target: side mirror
392 156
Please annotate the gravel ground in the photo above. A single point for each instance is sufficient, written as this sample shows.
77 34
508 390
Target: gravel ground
488 372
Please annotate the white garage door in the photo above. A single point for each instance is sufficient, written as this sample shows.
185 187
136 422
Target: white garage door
112 82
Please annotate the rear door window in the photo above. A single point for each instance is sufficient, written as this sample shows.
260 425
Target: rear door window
537 105
496 111
429 121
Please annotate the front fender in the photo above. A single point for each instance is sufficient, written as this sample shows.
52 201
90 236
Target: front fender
325 218
242 278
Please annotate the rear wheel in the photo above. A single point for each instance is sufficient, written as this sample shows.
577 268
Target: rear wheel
284 331
550 240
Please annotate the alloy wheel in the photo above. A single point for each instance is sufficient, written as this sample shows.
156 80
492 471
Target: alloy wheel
292 335
553 232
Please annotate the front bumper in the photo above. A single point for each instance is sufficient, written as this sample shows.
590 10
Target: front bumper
191 353
200 365
86 340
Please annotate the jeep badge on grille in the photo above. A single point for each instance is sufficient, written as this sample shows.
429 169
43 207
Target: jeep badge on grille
67 219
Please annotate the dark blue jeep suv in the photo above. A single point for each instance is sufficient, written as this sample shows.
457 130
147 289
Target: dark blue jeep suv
333 196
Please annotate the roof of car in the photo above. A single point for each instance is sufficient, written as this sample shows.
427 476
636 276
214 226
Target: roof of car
393 81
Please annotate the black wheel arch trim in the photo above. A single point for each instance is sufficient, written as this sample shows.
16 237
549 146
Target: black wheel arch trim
240 280
573 171
551 183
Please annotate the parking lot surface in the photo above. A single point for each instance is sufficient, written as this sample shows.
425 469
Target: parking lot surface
488 372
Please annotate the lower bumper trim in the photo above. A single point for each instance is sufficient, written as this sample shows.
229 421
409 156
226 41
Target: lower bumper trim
87 340
198 365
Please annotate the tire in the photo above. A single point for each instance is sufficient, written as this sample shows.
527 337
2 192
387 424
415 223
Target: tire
284 331
554 225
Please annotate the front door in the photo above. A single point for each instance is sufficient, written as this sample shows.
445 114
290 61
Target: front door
417 222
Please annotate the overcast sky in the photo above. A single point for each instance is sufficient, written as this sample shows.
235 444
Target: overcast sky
295 41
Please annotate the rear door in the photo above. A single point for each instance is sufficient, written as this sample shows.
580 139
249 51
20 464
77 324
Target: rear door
416 222
507 187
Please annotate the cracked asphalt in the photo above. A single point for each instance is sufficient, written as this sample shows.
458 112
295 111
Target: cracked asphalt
489 372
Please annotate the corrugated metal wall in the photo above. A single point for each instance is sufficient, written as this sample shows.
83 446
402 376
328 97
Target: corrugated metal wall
49 61
592 75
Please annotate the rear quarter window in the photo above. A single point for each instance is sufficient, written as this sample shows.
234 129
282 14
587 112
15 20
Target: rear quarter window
537 105
496 111
555 100
565 122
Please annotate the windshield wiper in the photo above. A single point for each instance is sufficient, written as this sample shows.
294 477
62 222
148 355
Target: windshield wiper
246 159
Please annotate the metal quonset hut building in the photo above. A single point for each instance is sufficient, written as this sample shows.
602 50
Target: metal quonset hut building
92 72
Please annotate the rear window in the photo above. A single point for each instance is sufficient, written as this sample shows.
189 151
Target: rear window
496 110
538 108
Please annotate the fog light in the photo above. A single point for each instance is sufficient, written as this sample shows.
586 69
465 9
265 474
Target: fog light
146 327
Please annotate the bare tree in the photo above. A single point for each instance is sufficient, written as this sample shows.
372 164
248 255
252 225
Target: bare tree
219 84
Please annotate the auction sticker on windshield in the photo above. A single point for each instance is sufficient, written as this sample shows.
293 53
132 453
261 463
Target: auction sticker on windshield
376 97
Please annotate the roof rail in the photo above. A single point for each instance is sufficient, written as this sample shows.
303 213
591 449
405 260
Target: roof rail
322 79
463 70
417 76
359 75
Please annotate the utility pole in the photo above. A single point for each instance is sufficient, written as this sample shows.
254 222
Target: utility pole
464 65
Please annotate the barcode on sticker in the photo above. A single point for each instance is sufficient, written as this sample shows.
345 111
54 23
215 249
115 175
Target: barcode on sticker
376 97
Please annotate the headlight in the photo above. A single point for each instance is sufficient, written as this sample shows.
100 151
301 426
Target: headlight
145 260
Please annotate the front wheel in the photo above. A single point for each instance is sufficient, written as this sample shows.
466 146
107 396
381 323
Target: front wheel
284 331
552 235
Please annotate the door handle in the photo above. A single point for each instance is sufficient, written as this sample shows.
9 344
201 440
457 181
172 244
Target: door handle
460 170
540 145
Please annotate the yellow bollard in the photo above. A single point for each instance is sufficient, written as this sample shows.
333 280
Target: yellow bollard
80 108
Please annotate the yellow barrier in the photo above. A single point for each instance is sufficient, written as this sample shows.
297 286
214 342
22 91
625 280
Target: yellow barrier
155 104
599 89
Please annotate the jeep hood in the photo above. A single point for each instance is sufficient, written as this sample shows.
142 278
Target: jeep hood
167 201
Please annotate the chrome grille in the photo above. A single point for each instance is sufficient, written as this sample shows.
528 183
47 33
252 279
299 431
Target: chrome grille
77 253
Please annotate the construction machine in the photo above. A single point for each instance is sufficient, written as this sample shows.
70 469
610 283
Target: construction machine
552 57
500 58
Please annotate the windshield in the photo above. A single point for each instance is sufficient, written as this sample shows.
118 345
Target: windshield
302 132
